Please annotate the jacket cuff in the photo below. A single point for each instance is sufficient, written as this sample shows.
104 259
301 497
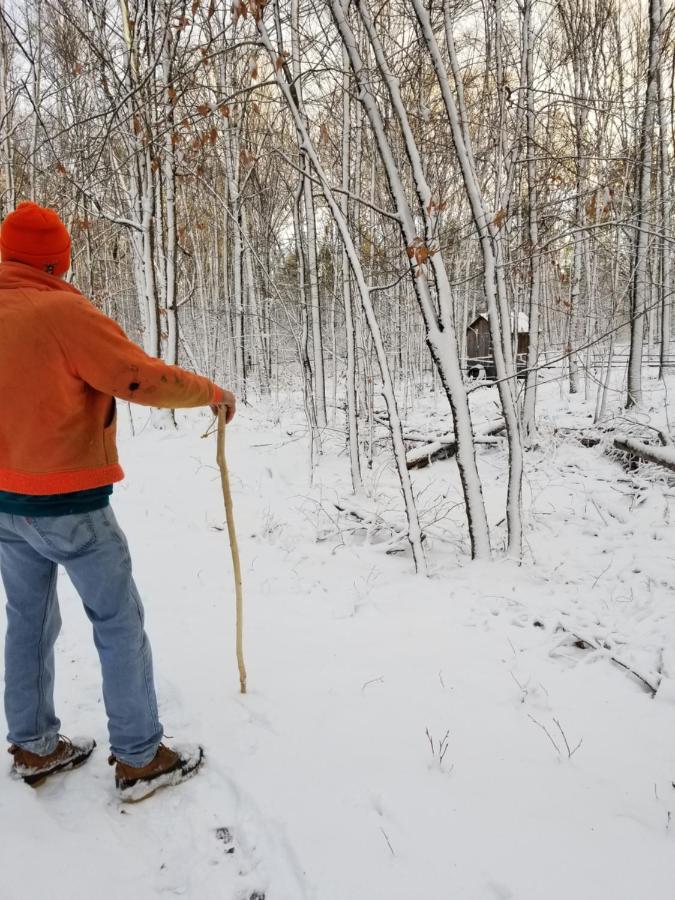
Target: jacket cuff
217 394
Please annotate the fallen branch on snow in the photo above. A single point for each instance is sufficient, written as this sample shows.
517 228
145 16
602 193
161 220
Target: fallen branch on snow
446 446
373 524
367 520
661 456
583 643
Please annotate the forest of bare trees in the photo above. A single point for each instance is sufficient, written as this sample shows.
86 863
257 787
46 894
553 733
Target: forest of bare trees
288 195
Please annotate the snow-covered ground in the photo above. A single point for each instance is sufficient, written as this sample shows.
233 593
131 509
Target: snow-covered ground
556 775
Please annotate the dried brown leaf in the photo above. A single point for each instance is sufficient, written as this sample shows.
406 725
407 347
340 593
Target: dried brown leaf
500 218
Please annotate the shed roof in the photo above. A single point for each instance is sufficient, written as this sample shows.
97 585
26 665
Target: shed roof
523 321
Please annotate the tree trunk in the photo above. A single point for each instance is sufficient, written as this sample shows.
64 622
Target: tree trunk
8 196
665 210
498 314
641 285
310 246
284 80
440 334
352 401
530 399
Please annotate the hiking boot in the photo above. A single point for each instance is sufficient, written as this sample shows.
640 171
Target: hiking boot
67 754
169 767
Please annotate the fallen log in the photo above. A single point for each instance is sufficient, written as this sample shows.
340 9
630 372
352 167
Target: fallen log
445 446
413 437
661 456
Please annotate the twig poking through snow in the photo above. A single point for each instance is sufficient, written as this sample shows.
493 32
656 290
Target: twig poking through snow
379 680
570 753
523 690
556 722
387 840
438 752
546 732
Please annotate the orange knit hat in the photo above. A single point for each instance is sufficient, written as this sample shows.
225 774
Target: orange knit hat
35 235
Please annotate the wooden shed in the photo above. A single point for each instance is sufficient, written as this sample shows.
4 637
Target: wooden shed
479 357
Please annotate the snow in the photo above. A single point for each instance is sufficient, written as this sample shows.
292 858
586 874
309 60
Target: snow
323 774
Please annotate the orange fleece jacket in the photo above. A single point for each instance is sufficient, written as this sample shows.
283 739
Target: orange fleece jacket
62 363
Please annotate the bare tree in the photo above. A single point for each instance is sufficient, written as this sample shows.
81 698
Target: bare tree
641 279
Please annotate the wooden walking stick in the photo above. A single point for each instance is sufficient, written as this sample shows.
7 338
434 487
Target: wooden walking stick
234 547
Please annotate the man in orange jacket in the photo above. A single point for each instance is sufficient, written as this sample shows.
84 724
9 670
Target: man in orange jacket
62 364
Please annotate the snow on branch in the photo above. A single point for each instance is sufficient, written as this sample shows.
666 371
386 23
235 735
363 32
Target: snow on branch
446 446
661 456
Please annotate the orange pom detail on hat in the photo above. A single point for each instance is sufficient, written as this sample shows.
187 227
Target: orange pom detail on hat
36 236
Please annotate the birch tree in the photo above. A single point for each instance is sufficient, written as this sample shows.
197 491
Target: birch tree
7 193
641 292
487 229
284 80
665 210
422 254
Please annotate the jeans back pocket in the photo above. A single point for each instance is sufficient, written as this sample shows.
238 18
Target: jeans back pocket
65 536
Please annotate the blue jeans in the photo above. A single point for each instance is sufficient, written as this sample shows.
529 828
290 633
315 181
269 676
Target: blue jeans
94 552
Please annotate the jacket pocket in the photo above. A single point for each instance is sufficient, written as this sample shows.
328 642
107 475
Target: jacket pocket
110 434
